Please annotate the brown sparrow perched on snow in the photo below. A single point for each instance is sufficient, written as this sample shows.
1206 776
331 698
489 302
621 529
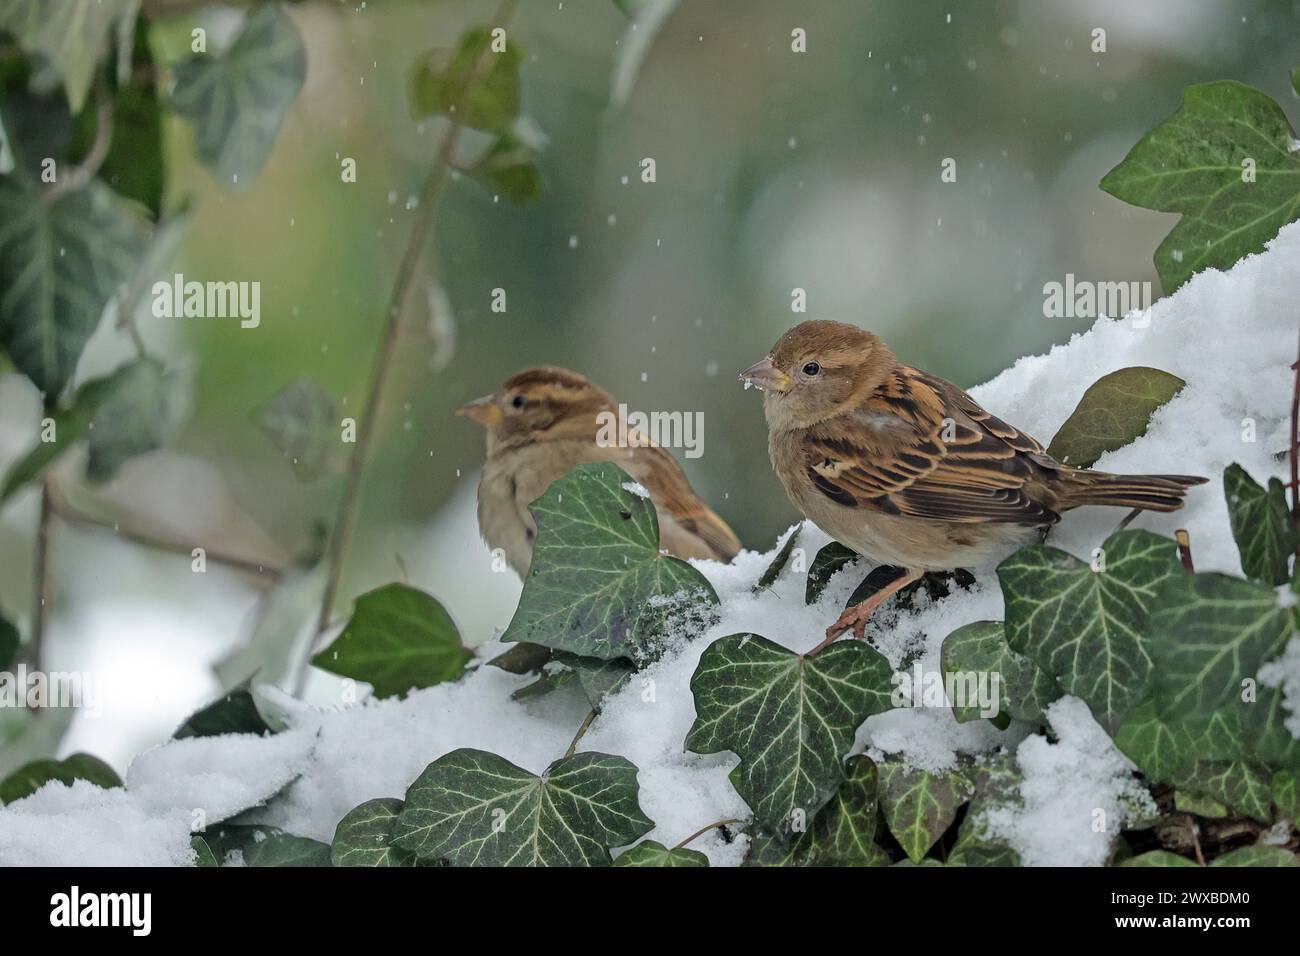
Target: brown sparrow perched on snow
907 469
541 423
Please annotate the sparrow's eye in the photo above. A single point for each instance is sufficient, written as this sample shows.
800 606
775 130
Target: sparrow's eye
811 369
518 401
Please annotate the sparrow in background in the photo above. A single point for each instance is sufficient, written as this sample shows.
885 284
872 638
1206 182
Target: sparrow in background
906 469
540 424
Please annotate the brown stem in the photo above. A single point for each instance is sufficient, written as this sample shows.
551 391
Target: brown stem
62 509
40 580
1295 449
1128 519
402 283
582 729
703 830
1184 548
85 171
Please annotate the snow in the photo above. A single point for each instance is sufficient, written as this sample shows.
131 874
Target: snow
1284 672
1229 335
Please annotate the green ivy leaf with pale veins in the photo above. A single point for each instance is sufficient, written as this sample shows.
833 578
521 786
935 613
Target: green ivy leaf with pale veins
1085 627
474 808
919 805
598 586
364 837
650 853
1208 633
1161 748
1238 784
980 648
1195 163
1258 856
1261 525
285 849
71 34
790 719
1113 412
238 98
398 638
473 85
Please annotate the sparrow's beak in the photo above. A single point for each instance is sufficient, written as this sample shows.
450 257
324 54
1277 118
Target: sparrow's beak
766 376
483 410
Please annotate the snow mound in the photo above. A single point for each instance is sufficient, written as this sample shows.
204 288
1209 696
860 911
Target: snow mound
1229 335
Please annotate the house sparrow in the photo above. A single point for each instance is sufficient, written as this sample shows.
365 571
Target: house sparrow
907 469
540 424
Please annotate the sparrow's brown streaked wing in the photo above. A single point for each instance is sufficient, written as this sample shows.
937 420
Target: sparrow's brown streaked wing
926 449
659 472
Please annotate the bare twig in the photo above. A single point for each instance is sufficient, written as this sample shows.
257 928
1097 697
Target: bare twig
1184 548
582 729
1128 519
703 830
81 174
40 580
62 509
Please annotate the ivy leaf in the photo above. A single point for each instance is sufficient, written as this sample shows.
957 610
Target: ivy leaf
598 586
203 855
791 719
1285 789
1258 856
1199 805
1085 627
1192 163
474 85
1161 748
237 99
235 713
996 786
1209 632
1023 689
1235 783
523 658
1261 525
398 638
71 34
9 641
830 560
1161 858
29 778
59 264
364 837
136 411
1114 412
650 853
477 809
509 167
773 570
918 805
285 849
300 421
1265 723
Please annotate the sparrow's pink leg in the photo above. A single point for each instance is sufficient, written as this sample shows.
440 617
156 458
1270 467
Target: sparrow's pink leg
857 616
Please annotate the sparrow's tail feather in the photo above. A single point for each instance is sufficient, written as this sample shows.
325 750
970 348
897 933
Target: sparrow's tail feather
1151 492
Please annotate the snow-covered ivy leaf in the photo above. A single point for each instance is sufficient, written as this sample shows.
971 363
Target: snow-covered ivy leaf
1113 412
1085 627
596 677
842 834
29 778
791 719
285 849
1161 858
59 264
980 648
918 805
474 808
473 85
203 855
650 853
778 563
1258 856
1284 786
598 586
9 641
233 713
830 560
1265 722
71 34
1225 161
137 411
398 638
364 837
1261 525
238 98
1208 633
301 421
1161 748
996 782
1235 783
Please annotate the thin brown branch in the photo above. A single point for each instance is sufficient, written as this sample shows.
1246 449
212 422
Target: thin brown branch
81 174
41 580
1184 548
62 509
1128 519
582 729
703 830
